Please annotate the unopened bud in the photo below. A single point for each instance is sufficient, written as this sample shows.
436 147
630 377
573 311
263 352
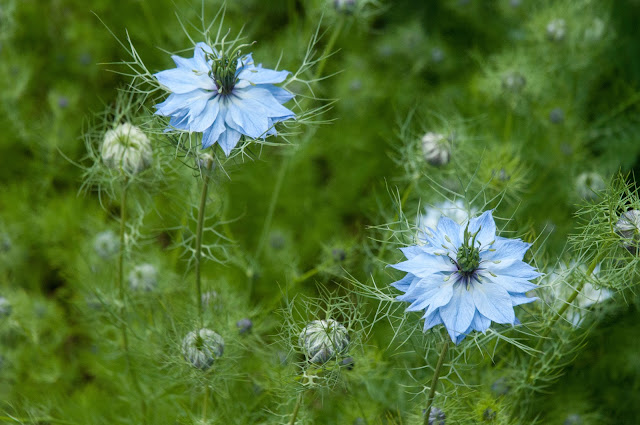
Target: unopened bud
143 277
628 227
588 184
322 340
436 416
5 307
126 148
244 325
556 30
106 244
436 148
201 348
556 116
513 81
344 6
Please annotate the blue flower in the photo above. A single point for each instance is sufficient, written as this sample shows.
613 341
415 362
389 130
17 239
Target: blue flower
465 277
224 96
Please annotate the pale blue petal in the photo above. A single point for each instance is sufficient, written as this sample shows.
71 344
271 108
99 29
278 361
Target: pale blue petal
206 118
493 301
278 93
458 313
228 140
259 75
441 298
181 103
404 283
510 284
212 134
487 227
423 292
256 97
513 268
518 299
431 320
200 57
247 117
411 251
424 265
504 248
179 80
480 323
449 228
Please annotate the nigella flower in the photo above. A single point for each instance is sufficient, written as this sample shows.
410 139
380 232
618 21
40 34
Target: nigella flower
223 96
466 277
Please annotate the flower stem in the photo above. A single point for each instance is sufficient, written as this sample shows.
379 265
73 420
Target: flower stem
199 232
122 296
434 382
296 409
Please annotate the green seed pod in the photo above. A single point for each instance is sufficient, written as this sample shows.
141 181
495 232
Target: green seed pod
322 340
126 148
201 348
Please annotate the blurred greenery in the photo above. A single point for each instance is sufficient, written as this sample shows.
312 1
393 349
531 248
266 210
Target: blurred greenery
440 63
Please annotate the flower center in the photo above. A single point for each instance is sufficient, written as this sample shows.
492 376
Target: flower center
468 259
223 71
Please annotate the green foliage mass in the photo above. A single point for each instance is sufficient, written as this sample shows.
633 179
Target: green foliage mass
303 230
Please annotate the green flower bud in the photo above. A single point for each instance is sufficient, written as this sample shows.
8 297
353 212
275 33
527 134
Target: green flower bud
201 348
322 340
126 148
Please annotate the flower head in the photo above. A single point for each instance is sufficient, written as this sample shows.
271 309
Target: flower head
224 96
466 277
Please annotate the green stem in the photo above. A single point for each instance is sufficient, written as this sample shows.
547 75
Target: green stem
199 232
434 382
296 409
122 296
